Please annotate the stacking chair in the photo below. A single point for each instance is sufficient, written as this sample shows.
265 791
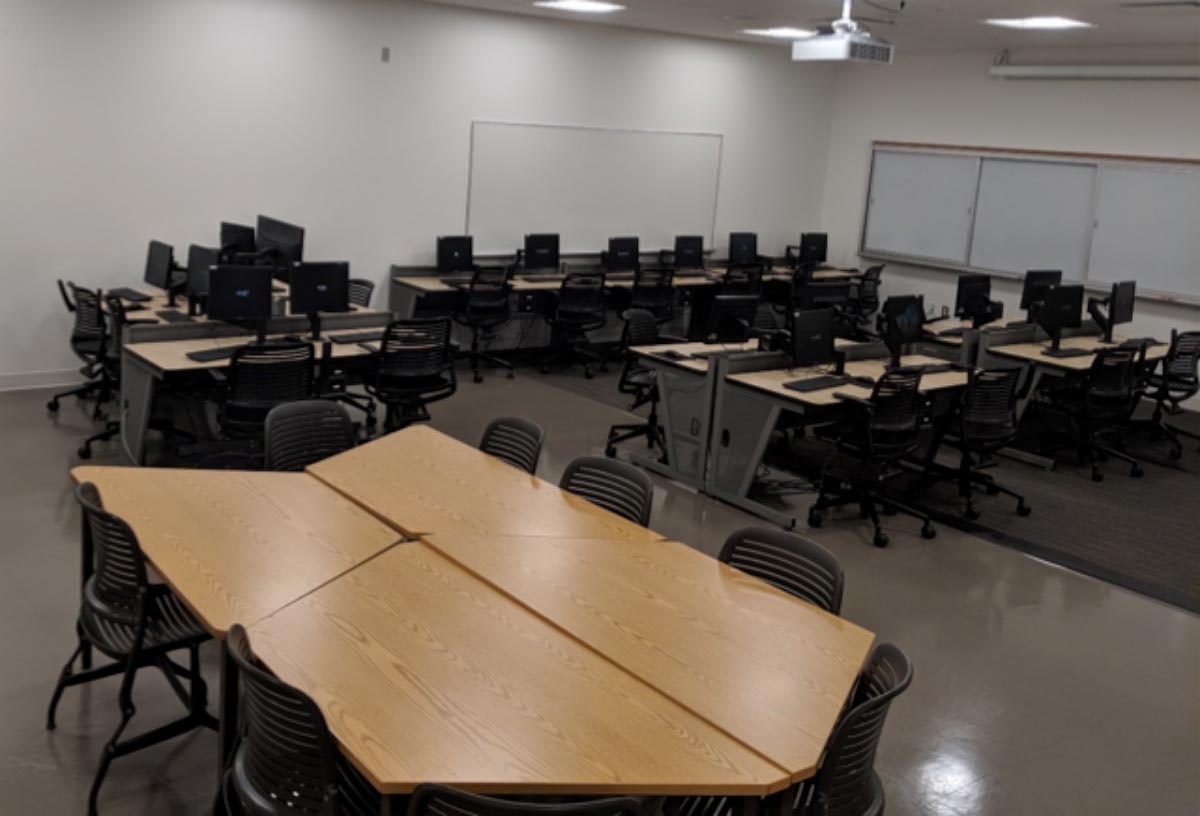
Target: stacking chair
438 800
788 562
515 441
301 433
261 377
415 369
1100 408
135 623
286 760
488 308
879 432
580 309
361 291
639 382
1177 382
616 486
89 340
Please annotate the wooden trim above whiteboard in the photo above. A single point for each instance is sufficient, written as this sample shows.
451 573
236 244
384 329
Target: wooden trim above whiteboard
1051 154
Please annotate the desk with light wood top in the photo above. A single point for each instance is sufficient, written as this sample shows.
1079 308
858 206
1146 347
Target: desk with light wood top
769 669
426 673
1032 352
422 481
773 381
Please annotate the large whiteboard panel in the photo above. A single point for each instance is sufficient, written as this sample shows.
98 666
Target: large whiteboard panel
1033 215
1148 229
590 184
921 204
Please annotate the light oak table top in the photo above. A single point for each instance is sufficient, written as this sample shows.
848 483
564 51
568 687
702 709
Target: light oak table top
1033 352
763 666
238 546
422 481
166 356
433 283
424 672
773 381
659 352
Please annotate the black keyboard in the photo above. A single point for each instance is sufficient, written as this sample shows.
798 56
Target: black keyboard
957 331
542 278
816 383
357 337
937 368
212 354
456 282
124 293
672 354
1136 342
173 316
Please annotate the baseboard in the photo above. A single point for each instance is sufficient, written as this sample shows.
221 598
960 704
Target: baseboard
39 379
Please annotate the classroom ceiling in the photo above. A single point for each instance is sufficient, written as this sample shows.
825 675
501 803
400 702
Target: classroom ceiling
924 25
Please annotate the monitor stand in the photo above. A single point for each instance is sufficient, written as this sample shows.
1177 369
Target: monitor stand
1057 351
1102 320
314 321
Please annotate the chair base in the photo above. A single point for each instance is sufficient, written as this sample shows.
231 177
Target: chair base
573 352
113 429
649 429
1158 428
399 417
478 358
870 499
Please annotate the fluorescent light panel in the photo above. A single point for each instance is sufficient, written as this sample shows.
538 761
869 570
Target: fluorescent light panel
1037 23
580 6
780 33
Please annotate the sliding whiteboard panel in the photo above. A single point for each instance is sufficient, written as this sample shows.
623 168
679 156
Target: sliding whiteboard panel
920 205
1148 229
590 184
1033 215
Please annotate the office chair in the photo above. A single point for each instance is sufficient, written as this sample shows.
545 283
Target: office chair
613 485
515 441
877 434
66 297
639 382
788 562
488 308
864 300
361 291
286 760
580 309
415 369
438 800
1176 383
260 378
787 296
135 623
1101 407
89 338
333 384
742 280
297 434
654 291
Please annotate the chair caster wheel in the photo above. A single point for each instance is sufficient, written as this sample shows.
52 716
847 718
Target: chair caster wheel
928 531
814 518
52 407
1097 476
1176 454
1024 509
881 539
84 453
544 369
478 377
971 514
371 422
611 453
604 368
588 373
1136 472
510 374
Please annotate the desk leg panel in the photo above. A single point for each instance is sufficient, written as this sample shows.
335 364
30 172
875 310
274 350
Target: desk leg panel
137 402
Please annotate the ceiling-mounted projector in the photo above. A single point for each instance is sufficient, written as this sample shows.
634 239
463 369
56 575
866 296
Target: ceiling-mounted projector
843 40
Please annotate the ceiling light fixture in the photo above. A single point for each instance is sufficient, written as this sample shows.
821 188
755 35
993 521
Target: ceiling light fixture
780 33
1037 23
580 6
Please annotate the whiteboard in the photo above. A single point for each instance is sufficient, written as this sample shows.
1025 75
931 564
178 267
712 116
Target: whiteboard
589 184
1033 215
921 205
1148 229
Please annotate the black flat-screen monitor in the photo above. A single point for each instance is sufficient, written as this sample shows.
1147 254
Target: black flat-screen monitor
1037 281
240 294
1120 302
814 246
319 287
542 251
282 243
623 254
160 260
743 248
812 338
237 238
689 252
731 318
973 297
1062 308
455 253
201 260
904 318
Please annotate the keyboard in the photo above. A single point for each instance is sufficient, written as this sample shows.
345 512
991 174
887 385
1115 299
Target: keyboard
672 354
125 293
1136 342
816 383
212 354
357 337
173 316
957 331
937 368
457 282
541 278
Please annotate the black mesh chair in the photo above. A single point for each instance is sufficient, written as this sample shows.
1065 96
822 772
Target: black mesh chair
135 623
639 382
301 433
89 341
438 800
613 485
788 562
488 308
261 377
878 432
334 382
654 291
1100 408
864 300
742 280
515 441
361 291
415 369
1176 382
286 761
580 309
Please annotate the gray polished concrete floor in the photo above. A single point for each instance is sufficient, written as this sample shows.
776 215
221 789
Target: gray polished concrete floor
1036 690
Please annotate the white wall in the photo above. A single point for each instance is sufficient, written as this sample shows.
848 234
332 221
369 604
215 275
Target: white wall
126 120
949 99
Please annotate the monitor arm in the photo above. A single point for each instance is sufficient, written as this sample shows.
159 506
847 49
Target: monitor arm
990 314
174 285
1096 308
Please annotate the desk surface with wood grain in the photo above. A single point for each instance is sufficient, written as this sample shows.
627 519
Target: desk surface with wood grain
422 481
428 284
424 672
169 356
665 352
1033 352
773 381
238 546
767 668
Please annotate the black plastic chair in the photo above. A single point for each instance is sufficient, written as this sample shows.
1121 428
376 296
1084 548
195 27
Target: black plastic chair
615 486
89 342
788 562
1100 409
361 291
639 382
286 761
1177 382
439 800
301 433
415 369
136 623
488 308
261 377
580 309
515 441
878 433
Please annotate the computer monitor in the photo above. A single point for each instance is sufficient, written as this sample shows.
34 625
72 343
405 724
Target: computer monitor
542 251
1037 281
689 252
319 287
160 260
731 318
240 295
623 255
904 320
974 295
743 248
814 247
201 260
236 238
455 253
282 242
1061 308
812 338
1119 309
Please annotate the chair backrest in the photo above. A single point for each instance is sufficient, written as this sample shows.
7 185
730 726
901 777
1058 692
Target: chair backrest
117 318
490 291
613 485
301 433
867 291
438 800
989 408
654 291
788 562
416 348
514 440
582 293
1112 378
361 291
66 298
89 315
271 374
845 780
286 762
1182 366
742 280
894 425
118 583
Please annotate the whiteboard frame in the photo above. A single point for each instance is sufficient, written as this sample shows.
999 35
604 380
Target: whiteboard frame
1094 160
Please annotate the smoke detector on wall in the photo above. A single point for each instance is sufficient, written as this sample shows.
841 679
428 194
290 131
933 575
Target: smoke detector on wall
843 40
